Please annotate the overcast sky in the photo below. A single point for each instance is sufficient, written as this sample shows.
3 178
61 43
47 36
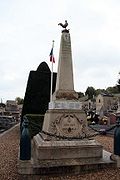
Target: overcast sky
27 28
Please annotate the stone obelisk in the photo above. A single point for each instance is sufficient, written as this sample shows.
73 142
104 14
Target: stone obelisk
65 121
63 144
65 80
65 116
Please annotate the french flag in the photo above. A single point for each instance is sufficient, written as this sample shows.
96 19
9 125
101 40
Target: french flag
52 59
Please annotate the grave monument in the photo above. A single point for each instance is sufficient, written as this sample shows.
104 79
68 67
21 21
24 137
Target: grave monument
64 144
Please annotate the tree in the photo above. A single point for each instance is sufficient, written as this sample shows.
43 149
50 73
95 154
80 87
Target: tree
99 91
90 92
19 100
118 84
112 90
80 94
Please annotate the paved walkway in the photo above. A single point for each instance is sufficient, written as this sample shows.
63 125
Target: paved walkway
9 145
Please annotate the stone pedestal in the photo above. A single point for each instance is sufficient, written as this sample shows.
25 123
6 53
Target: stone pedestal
65 157
59 153
65 123
63 148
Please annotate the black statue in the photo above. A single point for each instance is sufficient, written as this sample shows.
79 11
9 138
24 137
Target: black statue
64 26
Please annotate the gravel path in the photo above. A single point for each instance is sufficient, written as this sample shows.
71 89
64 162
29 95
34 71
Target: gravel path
9 145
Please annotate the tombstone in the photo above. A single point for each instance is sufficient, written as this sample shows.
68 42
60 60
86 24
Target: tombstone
63 146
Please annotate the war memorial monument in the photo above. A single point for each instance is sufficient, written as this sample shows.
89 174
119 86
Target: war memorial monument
64 144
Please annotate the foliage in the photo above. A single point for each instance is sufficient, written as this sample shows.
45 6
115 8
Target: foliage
19 100
98 91
35 123
90 92
112 90
118 84
80 94
37 95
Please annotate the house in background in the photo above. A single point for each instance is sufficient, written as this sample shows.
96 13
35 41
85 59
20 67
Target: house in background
12 109
9 114
106 103
88 104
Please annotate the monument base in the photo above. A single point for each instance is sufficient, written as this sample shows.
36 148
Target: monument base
65 122
65 157
57 153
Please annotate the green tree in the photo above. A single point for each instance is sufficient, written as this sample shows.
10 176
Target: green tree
19 100
98 91
118 84
112 90
80 94
90 92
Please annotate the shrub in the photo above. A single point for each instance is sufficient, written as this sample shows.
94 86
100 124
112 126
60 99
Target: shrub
35 123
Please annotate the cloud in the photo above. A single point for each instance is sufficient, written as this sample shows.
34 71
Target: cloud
29 26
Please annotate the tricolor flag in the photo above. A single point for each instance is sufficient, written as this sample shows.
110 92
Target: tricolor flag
52 59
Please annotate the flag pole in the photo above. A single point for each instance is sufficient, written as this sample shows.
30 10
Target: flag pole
51 75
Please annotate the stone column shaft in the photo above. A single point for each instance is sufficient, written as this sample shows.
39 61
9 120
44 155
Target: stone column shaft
65 82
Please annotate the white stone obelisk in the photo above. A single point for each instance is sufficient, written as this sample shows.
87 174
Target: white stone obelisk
65 99
65 80
63 142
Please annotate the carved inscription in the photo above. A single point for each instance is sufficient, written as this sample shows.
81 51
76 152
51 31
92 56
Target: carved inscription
68 125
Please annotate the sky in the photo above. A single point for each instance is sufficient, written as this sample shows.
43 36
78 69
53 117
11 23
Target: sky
28 27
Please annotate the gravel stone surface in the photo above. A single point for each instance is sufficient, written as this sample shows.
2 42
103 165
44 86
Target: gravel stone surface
9 146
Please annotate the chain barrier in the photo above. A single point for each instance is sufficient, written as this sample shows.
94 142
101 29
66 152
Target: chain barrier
36 125
62 137
85 136
103 131
109 129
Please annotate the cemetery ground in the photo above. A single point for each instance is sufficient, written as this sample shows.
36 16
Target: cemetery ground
9 147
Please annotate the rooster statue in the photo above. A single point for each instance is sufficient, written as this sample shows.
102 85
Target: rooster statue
64 26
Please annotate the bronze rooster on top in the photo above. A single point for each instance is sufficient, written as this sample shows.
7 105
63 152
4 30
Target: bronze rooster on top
64 26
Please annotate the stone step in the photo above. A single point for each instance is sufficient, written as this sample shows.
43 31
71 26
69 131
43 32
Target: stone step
67 167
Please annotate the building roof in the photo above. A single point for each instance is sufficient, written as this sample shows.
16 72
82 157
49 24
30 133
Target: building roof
12 102
107 94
